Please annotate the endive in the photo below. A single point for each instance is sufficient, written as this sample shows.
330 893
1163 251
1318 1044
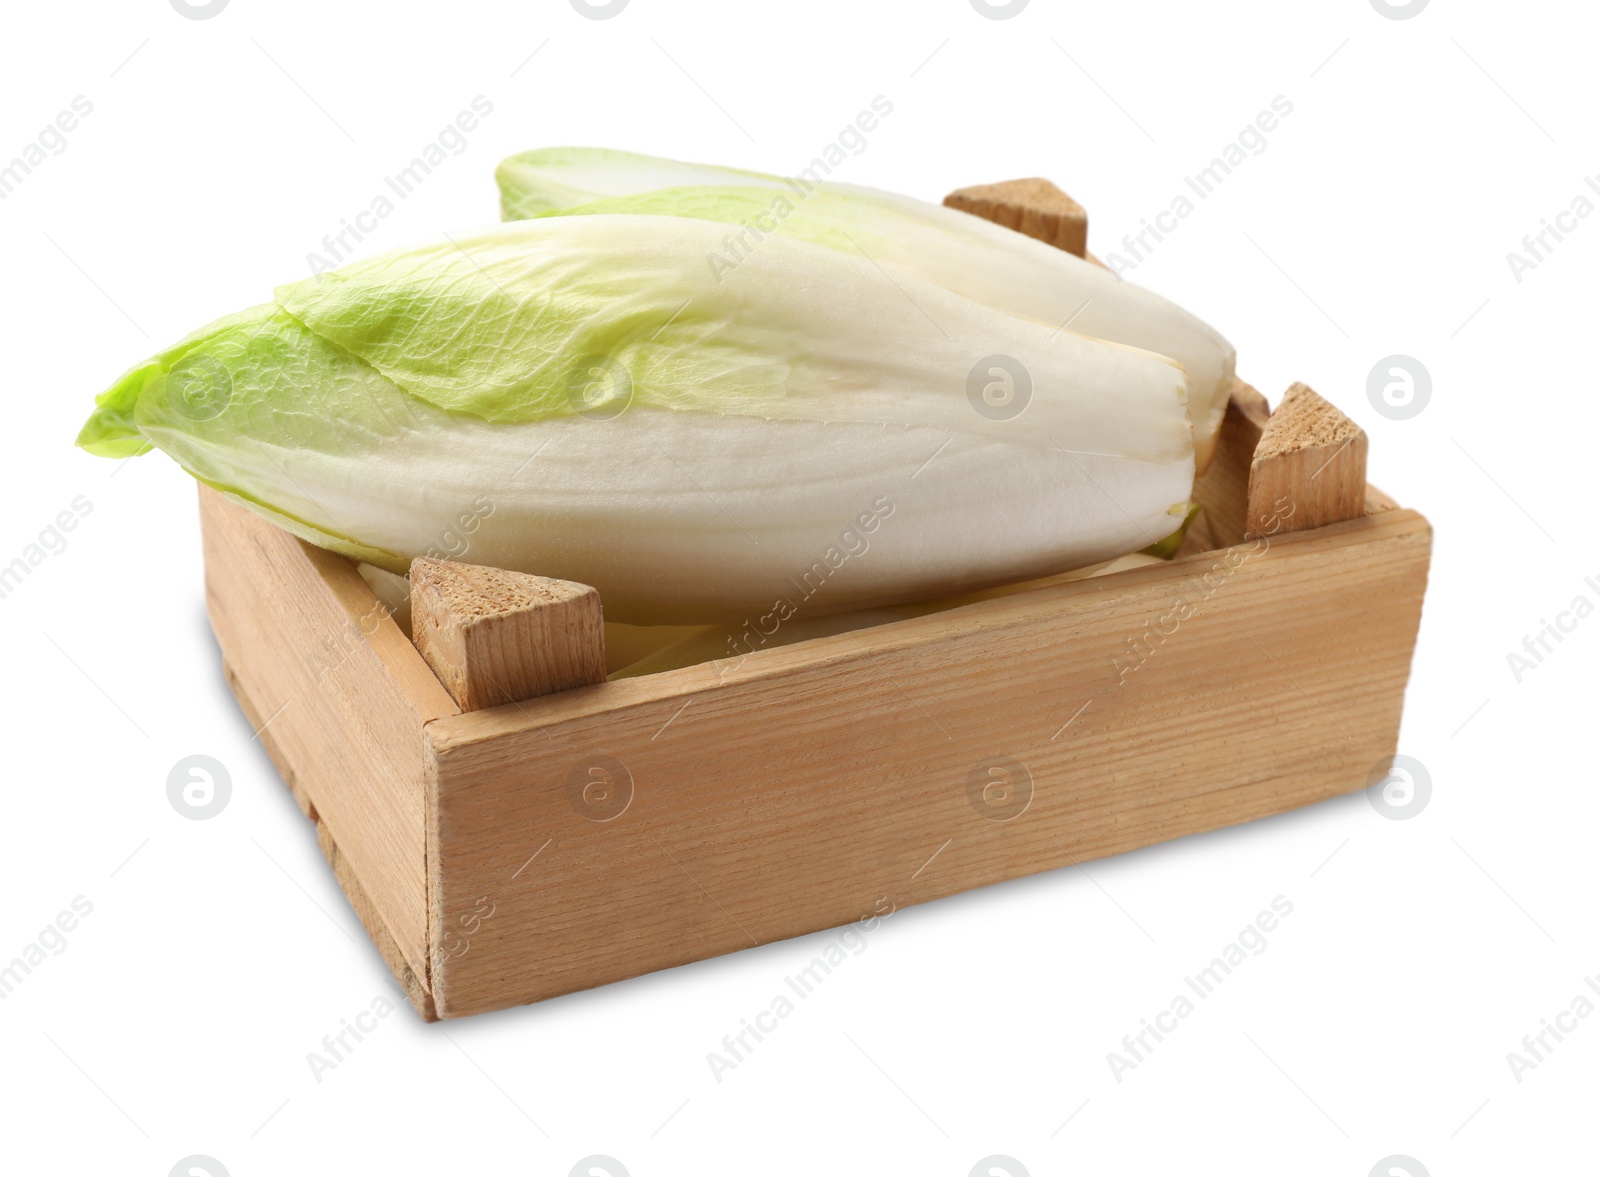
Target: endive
579 397
955 250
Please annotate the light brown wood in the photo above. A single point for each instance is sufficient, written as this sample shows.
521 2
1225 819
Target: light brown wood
803 786
339 698
415 987
1222 490
1312 458
494 637
411 984
1378 501
1035 207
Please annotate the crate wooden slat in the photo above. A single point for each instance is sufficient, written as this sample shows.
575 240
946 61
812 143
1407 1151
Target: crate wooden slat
511 854
793 792
340 698
1312 453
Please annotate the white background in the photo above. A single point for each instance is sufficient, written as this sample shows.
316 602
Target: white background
219 152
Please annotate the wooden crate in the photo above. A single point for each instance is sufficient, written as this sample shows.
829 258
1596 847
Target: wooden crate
521 851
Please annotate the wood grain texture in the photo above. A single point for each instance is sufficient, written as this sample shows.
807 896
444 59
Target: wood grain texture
339 696
649 822
1035 207
1222 491
1378 501
494 637
1312 456
415 987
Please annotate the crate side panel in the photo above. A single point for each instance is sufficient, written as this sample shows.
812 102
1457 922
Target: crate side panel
895 772
346 732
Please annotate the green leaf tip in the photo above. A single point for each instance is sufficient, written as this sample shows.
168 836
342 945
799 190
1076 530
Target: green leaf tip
110 431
